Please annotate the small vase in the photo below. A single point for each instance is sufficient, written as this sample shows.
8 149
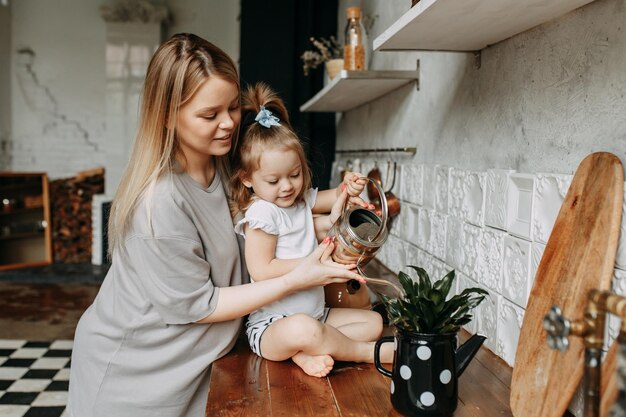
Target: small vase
333 67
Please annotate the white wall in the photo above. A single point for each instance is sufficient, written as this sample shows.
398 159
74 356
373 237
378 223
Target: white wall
58 84
5 87
215 20
539 103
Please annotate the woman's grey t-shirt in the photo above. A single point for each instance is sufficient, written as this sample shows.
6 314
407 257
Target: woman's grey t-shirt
137 351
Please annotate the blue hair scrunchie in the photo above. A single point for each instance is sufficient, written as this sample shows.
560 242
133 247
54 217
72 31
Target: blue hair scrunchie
266 118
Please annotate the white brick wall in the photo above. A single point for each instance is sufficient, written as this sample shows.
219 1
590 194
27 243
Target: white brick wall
492 227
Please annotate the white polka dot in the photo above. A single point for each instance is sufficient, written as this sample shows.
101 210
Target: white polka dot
393 387
427 399
445 376
405 372
423 352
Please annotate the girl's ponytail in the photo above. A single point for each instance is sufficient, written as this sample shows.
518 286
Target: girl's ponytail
259 95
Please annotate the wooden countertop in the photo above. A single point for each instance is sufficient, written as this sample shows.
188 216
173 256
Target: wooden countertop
242 384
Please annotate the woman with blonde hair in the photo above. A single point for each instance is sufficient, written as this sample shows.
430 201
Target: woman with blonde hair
175 293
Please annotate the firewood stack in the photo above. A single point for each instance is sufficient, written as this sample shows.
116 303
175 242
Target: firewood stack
70 212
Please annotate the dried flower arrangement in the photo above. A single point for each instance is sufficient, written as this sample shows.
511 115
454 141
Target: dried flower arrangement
325 50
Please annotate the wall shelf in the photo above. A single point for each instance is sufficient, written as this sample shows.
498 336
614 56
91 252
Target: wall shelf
469 25
350 89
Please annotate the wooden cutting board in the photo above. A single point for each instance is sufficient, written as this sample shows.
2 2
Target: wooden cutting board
579 256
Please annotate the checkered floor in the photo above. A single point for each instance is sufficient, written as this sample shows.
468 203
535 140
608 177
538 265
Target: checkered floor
34 378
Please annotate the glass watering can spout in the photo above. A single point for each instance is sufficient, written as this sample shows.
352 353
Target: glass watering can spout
466 352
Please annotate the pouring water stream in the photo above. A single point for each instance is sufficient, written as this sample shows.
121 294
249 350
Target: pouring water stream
380 281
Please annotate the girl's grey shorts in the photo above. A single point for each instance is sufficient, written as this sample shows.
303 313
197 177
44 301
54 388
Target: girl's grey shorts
255 330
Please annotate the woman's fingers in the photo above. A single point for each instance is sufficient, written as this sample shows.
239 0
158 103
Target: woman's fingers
329 248
348 274
360 202
337 208
324 249
321 248
331 263
343 195
335 271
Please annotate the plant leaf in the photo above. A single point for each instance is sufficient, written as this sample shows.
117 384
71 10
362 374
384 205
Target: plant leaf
424 307
407 284
472 290
445 283
424 279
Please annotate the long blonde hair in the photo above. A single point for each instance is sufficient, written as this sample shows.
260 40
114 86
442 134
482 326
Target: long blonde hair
176 71
255 139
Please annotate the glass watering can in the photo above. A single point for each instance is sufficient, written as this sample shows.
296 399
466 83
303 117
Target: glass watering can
359 234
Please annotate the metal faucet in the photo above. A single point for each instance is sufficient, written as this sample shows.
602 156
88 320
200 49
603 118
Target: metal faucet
591 329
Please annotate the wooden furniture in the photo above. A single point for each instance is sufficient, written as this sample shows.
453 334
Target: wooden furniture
242 384
25 238
470 25
579 256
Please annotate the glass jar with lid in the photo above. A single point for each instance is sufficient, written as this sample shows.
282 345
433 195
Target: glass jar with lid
354 51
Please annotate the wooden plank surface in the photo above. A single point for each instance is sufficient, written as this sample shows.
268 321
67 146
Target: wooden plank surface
358 387
293 393
244 385
239 385
483 395
579 256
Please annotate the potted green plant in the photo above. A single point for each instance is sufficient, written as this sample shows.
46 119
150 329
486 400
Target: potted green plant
327 51
427 361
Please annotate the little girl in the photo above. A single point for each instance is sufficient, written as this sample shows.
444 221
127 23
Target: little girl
272 187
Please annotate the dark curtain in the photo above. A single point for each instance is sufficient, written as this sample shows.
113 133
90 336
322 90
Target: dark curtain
274 33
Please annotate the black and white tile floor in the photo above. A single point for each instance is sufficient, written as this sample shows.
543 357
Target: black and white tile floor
34 378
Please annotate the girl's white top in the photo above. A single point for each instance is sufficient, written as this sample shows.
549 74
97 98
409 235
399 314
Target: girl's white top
295 233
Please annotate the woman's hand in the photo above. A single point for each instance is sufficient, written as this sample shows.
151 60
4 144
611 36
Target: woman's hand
337 209
315 270
319 269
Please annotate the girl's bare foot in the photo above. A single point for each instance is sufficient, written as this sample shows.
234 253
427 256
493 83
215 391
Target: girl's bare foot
319 365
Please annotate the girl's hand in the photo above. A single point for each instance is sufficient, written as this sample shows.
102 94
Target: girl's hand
319 269
354 183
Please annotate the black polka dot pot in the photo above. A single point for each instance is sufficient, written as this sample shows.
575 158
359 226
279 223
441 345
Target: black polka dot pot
425 371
